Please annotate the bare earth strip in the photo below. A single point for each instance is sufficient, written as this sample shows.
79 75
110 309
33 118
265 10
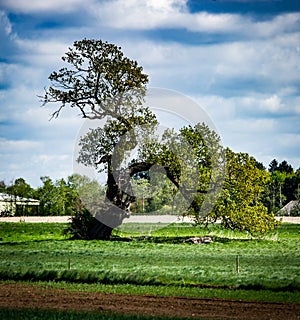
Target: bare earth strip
22 296
132 219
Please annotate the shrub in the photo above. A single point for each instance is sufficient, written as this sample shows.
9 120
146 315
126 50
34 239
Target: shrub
81 224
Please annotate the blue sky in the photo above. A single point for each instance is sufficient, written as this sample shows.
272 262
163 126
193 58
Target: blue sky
239 60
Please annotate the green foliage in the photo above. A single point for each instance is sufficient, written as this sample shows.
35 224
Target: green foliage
81 224
153 194
56 198
104 84
281 167
283 186
240 205
90 193
96 73
20 188
206 144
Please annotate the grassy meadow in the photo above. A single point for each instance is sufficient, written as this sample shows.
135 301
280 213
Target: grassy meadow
154 259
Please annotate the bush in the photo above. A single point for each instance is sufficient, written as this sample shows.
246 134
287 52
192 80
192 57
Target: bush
81 224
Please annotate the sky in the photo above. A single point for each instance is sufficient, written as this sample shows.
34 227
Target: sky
239 60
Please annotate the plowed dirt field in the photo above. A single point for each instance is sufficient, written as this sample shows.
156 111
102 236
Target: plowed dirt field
29 296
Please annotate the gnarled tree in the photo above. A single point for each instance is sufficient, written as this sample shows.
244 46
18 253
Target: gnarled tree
103 84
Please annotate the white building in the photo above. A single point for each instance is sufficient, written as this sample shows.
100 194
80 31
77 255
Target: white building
10 205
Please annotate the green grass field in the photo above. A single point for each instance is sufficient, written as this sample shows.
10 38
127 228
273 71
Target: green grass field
142 261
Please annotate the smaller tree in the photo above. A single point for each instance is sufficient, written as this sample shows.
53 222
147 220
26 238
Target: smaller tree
81 224
285 167
142 191
2 186
240 206
273 166
20 188
56 198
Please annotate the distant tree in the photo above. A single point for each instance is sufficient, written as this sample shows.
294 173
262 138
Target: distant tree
260 165
65 198
56 198
142 191
273 166
90 192
282 187
46 194
2 186
285 167
20 188
291 187
163 192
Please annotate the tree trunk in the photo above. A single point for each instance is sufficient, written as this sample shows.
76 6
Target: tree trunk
116 208
99 231
119 197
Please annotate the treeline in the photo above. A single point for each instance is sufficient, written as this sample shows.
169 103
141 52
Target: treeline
280 184
57 198
283 186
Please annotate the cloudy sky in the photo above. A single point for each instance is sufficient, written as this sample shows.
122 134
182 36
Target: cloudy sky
238 59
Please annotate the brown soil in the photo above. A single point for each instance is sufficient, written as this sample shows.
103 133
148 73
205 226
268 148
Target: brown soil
30 296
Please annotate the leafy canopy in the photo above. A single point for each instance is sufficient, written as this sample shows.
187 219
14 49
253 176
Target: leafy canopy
105 85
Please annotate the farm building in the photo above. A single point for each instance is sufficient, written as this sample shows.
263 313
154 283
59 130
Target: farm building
11 205
290 209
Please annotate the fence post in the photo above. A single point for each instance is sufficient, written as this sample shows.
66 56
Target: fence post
69 264
237 264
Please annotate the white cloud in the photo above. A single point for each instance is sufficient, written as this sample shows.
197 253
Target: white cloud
270 66
259 125
158 14
5 23
283 23
270 104
141 15
291 140
34 6
273 103
8 146
43 52
32 159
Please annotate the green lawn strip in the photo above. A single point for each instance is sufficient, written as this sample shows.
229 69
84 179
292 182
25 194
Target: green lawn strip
29 314
21 231
262 264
